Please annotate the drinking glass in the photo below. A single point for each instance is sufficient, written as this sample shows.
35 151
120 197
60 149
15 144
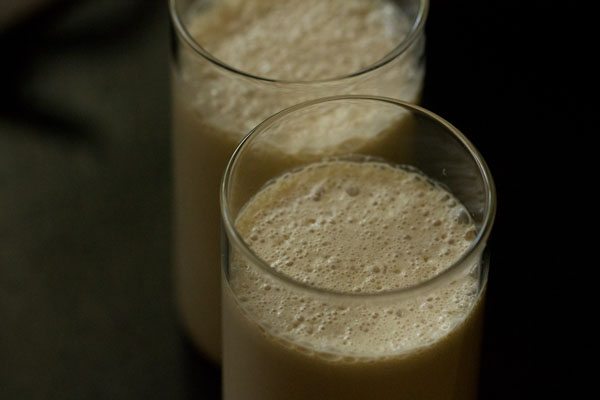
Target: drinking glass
213 105
430 352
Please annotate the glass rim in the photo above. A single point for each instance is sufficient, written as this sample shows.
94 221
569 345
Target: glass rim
476 248
415 31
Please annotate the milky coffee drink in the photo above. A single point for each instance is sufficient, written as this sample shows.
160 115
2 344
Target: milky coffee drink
359 229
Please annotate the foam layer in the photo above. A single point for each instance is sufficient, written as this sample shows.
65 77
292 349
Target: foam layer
301 40
354 227
294 40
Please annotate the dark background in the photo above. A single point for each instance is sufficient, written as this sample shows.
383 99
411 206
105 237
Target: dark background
85 301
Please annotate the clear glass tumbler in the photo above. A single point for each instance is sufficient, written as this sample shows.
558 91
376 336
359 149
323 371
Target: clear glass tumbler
228 75
325 294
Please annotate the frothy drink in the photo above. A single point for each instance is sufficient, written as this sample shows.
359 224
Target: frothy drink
351 228
311 41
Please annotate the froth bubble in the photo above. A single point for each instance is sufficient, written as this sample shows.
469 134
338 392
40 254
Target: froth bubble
352 191
470 235
463 217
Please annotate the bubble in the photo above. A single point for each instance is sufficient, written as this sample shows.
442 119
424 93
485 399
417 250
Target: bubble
470 235
463 217
352 191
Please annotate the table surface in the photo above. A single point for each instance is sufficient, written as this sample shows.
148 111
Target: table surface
85 198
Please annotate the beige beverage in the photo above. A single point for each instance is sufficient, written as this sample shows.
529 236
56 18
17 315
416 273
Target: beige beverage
243 60
348 234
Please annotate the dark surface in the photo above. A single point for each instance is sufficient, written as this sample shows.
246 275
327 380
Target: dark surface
85 296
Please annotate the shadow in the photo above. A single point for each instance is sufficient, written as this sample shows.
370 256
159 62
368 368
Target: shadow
202 377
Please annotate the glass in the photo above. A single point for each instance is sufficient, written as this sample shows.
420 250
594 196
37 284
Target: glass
286 338
214 103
